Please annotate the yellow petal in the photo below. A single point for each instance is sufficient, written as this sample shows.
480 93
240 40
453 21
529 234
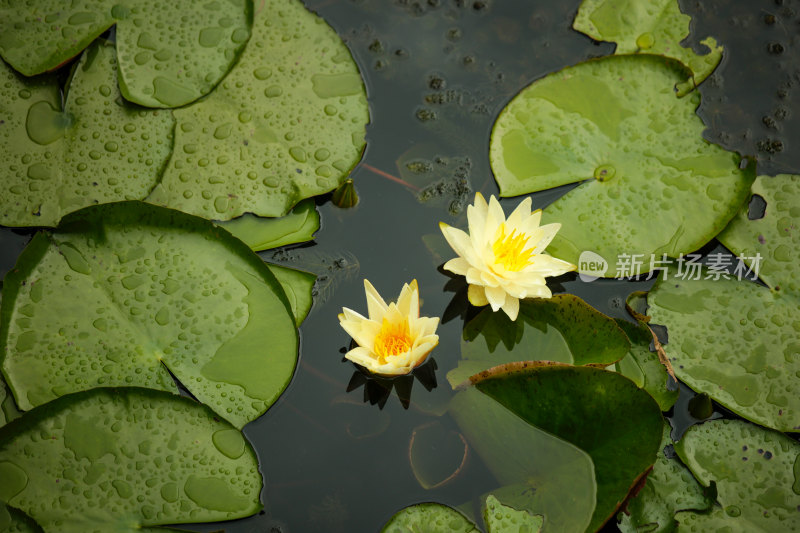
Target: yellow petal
459 241
496 297
457 265
520 214
476 295
376 306
408 301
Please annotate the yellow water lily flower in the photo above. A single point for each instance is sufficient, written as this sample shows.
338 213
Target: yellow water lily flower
503 259
394 339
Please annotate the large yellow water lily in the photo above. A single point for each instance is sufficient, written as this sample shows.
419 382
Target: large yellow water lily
503 259
394 339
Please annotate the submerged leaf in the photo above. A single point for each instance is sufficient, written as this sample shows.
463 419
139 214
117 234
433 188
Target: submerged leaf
260 234
652 27
127 293
643 367
436 454
563 328
98 149
171 53
119 459
600 412
770 245
557 481
429 518
736 341
651 184
755 471
669 488
287 123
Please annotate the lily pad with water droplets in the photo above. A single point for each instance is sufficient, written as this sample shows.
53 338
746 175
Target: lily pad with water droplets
669 488
97 149
642 366
264 233
756 472
557 481
116 460
15 521
298 287
770 244
651 184
429 518
170 53
127 293
734 340
600 412
563 329
653 27
287 123
501 518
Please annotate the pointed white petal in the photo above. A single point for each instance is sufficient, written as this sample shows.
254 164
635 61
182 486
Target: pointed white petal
511 307
496 297
543 236
459 241
458 265
408 301
520 214
376 306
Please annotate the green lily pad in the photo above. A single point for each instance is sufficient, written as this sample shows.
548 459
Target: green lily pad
557 481
171 53
429 518
298 286
160 292
117 459
287 123
775 237
601 412
265 233
651 184
563 329
736 341
98 149
500 518
15 521
642 366
756 472
669 488
654 27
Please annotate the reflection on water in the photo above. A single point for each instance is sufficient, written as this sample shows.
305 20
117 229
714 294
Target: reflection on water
378 389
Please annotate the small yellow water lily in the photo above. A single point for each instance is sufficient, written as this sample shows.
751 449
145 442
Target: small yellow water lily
394 339
503 259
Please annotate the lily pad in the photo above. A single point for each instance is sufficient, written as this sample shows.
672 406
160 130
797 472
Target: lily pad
557 481
15 521
159 292
642 366
118 459
97 149
653 27
669 488
601 412
298 287
500 518
651 184
563 329
429 518
171 53
264 233
775 237
736 341
756 475
287 123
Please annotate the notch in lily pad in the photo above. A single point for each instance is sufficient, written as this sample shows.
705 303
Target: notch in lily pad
162 293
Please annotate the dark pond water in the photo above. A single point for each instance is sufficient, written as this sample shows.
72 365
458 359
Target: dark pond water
437 73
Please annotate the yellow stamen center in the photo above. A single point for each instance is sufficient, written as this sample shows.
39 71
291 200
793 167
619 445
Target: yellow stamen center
394 338
509 250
